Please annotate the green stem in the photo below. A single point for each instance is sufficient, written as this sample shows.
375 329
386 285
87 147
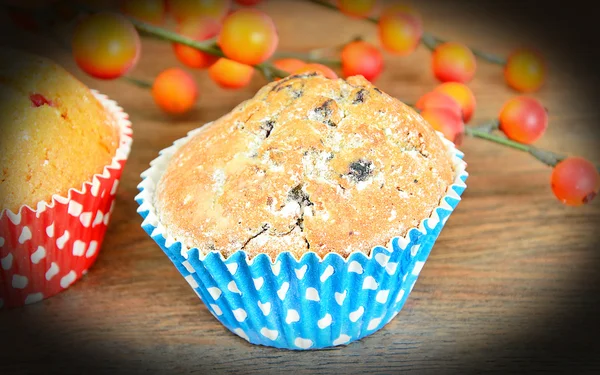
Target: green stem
479 133
138 82
547 157
488 127
170 36
428 40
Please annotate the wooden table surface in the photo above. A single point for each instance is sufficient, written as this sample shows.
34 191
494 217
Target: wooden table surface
510 284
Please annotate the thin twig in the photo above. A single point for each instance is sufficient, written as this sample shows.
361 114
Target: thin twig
547 157
137 81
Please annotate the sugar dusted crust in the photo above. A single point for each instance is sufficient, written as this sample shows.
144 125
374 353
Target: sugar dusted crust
307 164
53 146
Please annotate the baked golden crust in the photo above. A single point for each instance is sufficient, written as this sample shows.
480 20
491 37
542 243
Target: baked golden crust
55 134
307 164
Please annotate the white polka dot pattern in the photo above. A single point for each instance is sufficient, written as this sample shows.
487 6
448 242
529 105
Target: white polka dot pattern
309 303
301 272
46 248
7 261
38 255
292 316
25 235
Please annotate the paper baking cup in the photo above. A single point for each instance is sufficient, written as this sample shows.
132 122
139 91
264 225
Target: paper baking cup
44 250
310 303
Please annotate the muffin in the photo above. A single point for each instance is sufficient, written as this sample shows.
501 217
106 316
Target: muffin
63 149
303 217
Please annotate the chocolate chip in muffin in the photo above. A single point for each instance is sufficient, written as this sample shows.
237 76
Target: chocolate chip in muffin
300 196
324 112
267 127
361 170
360 96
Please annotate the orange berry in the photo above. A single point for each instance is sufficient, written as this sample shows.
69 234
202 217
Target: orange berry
356 8
288 65
446 121
317 68
525 70
182 9
151 11
523 119
198 29
106 45
453 62
400 30
435 99
361 58
462 94
230 74
175 91
248 36
575 181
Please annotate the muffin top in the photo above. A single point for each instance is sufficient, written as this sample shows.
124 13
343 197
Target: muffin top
55 134
307 164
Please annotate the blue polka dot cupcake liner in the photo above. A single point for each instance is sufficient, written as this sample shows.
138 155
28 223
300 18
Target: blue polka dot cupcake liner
304 304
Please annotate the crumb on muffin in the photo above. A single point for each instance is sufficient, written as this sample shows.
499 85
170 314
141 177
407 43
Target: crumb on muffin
307 164
55 134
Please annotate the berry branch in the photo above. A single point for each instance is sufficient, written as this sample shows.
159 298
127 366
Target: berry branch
547 157
208 46
231 46
137 81
431 42
428 40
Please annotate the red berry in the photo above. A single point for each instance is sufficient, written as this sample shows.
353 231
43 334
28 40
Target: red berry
248 36
462 94
434 99
361 58
400 30
175 91
230 74
523 119
525 70
198 29
575 181
453 62
446 121
106 45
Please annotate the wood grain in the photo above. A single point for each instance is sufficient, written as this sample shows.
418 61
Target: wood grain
510 284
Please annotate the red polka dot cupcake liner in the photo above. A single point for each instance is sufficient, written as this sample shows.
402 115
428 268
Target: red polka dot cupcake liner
44 250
